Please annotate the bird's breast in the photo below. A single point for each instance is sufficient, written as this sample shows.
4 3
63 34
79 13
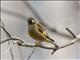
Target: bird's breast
35 35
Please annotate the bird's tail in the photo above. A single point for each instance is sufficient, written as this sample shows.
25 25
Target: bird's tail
50 38
52 42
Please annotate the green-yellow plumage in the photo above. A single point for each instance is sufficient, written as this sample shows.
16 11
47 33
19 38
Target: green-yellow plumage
37 31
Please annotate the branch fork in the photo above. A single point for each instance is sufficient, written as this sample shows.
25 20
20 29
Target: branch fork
20 42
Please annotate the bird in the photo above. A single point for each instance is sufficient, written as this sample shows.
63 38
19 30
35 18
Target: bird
38 32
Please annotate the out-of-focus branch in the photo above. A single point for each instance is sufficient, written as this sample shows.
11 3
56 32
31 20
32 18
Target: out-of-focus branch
23 17
14 14
31 53
20 42
38 17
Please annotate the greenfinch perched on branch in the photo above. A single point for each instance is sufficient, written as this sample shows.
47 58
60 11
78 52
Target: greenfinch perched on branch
37 32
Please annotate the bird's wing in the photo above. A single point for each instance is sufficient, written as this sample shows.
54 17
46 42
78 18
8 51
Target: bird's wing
41 29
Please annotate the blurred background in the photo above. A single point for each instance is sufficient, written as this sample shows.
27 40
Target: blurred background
54 15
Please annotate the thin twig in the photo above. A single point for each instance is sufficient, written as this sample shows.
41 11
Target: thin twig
13 39
31 53
46 47
23 44
9 36
6 31
71 32
71 42
8 49
68 43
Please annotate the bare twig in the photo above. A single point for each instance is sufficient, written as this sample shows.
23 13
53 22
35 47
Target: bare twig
9 39
20 42
8 49
6 31
63 46
71 32
71 42
9 36
46 47
31 53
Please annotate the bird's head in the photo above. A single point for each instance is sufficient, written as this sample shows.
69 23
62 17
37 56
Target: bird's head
31 21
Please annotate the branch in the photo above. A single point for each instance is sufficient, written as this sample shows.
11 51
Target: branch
10 39
71 32
8 35
71 42
20 42
6 31
23 44
31 53
53 48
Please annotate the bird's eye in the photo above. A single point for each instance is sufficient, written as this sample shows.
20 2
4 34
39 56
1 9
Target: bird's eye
31 21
